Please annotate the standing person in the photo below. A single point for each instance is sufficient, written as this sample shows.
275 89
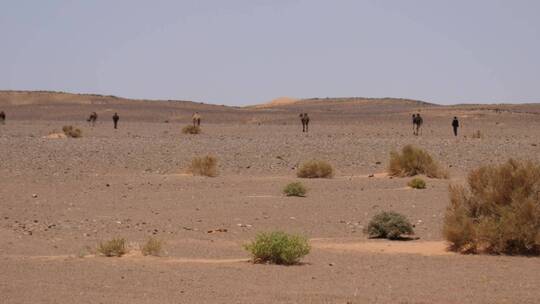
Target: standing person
115 119
2 117
414 124
455 125
305 122
419 122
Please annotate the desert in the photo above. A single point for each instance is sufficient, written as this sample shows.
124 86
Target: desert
61 197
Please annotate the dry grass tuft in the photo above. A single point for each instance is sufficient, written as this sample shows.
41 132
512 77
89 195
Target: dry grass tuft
205 166
113 248
295 189
417 183
72 132
191 129
152 247
499 213
315 169
413 161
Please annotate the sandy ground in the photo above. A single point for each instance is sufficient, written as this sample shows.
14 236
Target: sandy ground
60 197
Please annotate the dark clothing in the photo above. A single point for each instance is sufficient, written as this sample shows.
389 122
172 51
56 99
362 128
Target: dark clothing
115 120
455 126
2 117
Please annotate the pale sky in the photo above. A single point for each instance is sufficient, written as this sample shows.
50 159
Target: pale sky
239 52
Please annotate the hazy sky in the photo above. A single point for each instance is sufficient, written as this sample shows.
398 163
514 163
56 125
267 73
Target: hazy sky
240 52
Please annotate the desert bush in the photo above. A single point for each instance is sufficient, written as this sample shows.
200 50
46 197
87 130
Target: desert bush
477 134
315 169
113 248
70 131
390 225
498 213
417 183
153 247
413 161
191 129
295 189
205 166
278 248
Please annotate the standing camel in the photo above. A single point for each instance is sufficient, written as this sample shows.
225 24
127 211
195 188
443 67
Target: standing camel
196 118
92 119
418 121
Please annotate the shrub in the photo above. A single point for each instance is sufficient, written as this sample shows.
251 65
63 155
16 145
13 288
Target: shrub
498 213
205 166
413 161
417 183
70 131
315 169
113 248
477 134
278 248
153 247
191 129
295 189
390 225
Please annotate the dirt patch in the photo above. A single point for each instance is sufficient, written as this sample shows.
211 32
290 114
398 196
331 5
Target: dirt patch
434 248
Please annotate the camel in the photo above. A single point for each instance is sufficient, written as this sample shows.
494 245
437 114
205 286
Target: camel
196 118
305 121
92 119
417 124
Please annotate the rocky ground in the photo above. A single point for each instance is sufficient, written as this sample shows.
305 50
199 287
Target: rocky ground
60 197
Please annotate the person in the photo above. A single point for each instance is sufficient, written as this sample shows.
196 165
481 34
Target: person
2 117
196 118
115 119
305 122
455 125
419 122
414 124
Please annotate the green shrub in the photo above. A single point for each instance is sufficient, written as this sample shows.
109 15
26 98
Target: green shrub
295 189
153 247
278 248
113 248
413 161
191 129
315 169
390 225
72 132
499 213
417 183
205 166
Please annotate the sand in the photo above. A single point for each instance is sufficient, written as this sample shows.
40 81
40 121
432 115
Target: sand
62 196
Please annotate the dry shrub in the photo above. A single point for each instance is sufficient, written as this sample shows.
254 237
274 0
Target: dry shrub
315 169
295 189
413 161
278 248
205 166
477 134
153 247
390 225
113 248
417 183
191 129
499 213
70 131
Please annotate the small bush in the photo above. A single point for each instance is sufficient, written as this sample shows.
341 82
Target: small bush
278 248
191 129
498 213
477 134
113 248
315 169
70 131
295 189
390 225
205 166
413 161
153 247
417 183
